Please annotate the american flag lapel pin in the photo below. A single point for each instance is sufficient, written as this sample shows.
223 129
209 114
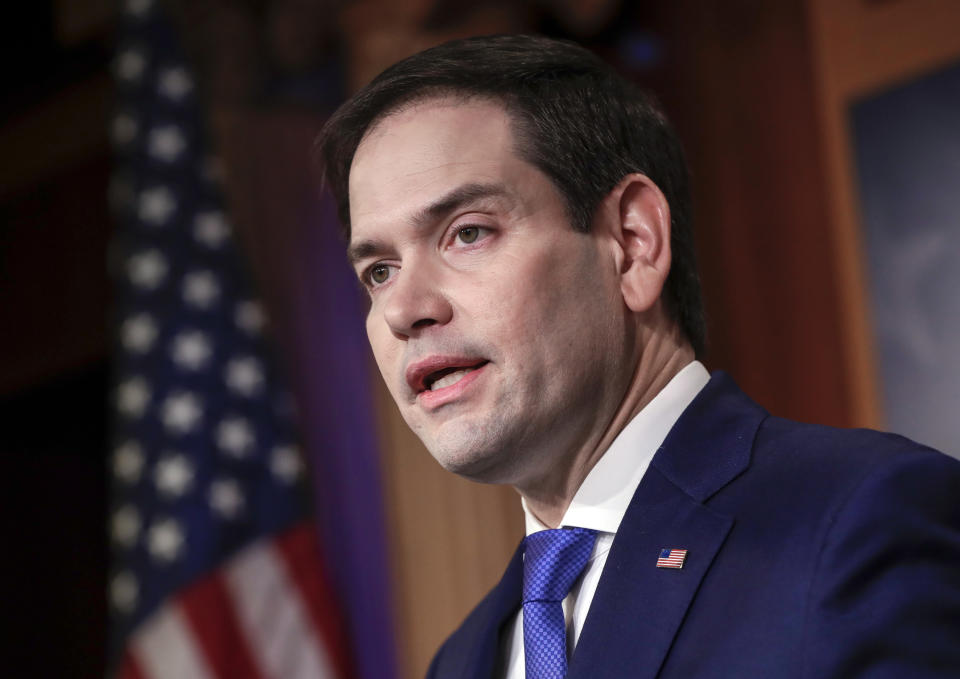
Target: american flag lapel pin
671 558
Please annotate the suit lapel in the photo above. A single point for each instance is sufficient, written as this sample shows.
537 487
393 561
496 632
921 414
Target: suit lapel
638 608
495 610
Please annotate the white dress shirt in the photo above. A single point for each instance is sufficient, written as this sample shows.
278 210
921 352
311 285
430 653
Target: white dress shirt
602 500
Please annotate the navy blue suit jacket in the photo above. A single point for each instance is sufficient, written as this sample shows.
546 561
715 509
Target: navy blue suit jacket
812 552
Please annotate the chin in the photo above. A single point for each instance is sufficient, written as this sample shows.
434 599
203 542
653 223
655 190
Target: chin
479 458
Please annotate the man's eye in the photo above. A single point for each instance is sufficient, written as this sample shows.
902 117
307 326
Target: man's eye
470 234
378 274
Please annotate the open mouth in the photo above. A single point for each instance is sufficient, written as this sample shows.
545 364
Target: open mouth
447 377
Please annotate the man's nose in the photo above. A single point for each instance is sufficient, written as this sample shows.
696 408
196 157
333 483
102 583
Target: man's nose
416 302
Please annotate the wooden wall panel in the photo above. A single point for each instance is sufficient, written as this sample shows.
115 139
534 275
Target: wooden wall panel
741 88
863 46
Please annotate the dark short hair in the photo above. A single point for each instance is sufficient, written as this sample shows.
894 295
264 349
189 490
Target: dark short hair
574 118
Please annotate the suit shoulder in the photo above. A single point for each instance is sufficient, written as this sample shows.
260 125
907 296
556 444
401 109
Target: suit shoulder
887 563
812 479
847 454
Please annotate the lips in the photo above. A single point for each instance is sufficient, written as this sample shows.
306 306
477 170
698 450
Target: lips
446 378
438 372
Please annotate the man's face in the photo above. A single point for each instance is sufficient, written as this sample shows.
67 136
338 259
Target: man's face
499 330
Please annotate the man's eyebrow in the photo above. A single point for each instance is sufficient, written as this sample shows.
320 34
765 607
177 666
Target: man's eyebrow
454 200
364 249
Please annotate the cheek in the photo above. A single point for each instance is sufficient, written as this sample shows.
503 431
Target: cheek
384 352
545 310
575 310
565 283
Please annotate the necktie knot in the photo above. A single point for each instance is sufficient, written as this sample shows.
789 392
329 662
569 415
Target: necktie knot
553 560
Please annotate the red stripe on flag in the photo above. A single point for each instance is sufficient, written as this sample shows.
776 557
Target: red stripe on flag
129 669
213 621
300 551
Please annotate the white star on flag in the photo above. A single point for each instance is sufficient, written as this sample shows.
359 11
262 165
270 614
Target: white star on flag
147 269
123 129
166 143
244 375
181 412
175 83
249 317
156 205
138 333
199 525
173 475
211 228
191 350
165 540
285 463
131 64
235 437
200 289
226 498
128 461
133 395
125 526
124 591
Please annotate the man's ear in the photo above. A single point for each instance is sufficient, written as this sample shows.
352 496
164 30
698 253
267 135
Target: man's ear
640 224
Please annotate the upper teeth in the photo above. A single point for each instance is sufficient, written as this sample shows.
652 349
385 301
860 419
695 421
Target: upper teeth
450 378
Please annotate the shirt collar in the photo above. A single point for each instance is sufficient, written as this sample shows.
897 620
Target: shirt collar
603 497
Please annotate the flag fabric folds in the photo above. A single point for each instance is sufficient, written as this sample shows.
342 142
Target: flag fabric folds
216 568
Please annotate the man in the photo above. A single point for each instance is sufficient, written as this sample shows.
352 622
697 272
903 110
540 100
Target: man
520 217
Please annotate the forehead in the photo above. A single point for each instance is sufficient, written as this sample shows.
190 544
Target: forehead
427 150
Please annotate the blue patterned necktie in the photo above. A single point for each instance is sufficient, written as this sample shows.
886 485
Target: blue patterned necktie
552 562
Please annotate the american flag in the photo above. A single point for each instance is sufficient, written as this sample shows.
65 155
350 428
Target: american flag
671 558
216 570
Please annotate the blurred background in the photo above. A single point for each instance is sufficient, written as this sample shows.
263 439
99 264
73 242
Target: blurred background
203 474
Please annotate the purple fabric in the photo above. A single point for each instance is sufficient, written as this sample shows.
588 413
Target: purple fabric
339 429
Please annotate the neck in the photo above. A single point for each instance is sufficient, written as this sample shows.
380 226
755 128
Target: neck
662 357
